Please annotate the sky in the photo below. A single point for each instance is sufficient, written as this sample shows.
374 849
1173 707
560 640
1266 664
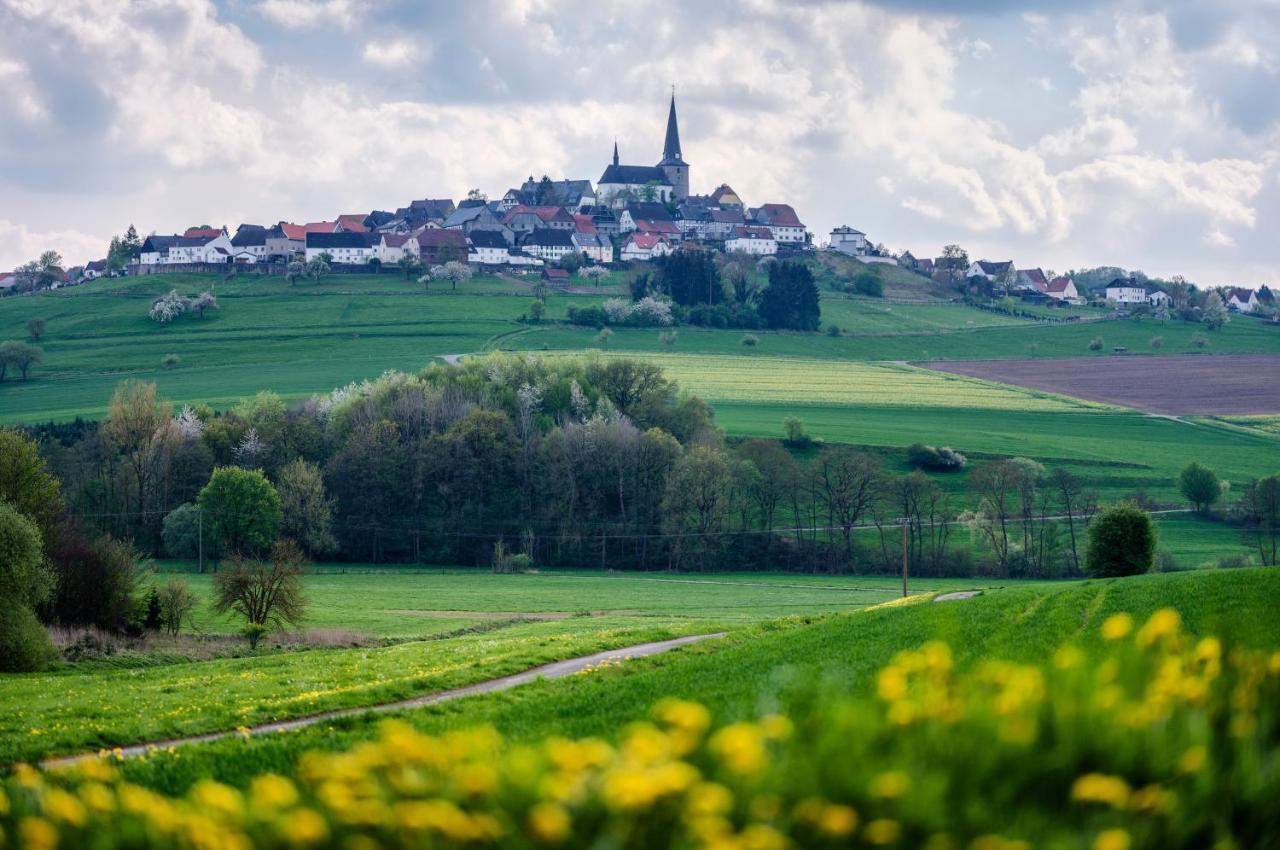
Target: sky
1063 135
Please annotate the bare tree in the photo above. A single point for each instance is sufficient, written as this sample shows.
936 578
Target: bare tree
846 483
140 425
176 604
266 593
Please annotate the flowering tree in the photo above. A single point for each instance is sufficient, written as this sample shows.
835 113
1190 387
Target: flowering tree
170 306
204 301
452 271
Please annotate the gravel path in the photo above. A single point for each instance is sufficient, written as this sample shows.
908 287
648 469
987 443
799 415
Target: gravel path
554 670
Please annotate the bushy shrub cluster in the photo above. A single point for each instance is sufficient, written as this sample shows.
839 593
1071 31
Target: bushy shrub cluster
1155 740
648 312
935 458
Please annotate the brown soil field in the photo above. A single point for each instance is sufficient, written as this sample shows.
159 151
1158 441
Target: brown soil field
1206 385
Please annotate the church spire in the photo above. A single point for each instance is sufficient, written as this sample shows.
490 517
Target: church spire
671 148
615 151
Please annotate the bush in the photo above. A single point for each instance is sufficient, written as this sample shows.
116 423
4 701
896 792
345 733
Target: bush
97 584
944 459
592 316
750 340
1157 342
1233 562
868 283
176 604
169 361
1199 340
1122 542
537 312
796 436
1095 344
833 330
182 531
24 583
24 643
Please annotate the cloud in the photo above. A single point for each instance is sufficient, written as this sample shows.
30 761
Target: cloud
390 54
19 245
306 14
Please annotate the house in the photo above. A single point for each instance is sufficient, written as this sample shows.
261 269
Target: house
243 258
437 246
517 258
724 196
588 239
94 270
1031 280
250 239
547 243
351 223
487 248
155 249
349 248
420 212
1063 288
850 241
556 277
527 219
204 232
782 221
1001 271
643 247
573 194
391 248
1242 300
1128 290
200 249
8 280
692 217
752 239
642 211
722 223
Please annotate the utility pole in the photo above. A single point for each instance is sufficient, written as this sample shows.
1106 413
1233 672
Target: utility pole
904 559
200 526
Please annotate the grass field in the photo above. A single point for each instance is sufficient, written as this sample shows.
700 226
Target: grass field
759 668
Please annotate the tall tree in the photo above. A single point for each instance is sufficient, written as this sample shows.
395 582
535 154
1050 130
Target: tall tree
25 482
790 301
1200 486
241 508
266 593
1260 510
140 426
846 483
306 511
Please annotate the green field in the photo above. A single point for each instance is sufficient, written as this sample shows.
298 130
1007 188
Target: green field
759 668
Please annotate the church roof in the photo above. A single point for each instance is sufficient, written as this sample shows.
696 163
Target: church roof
635 175
671 147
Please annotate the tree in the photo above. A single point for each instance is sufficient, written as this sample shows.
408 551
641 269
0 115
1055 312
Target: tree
846 483
318 267
169 306
545 194
295 270
182 533
176 604
697 498
140 425
24 583
306 512
452 271
1260 511
1200 486
131 243
266 593
776 475
790 300
1122 541
241 508
20 355
995 483
97 582
25 482
603 337
689 278
1214 313
1077 505
204 301
35 329
954 261
408 264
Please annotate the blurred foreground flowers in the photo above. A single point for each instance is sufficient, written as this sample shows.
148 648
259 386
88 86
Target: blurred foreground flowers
1157 740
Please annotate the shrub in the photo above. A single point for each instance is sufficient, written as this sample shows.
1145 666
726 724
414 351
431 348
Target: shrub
1199 340
1095 344
934 459
24 583
1122 542
169 361
1200 486
97 583
750 340
796 436
176 603
24 643
668 338
868 283
266 593
537 311
169 306
509 562
1235 561
592 316
1157 342
833 330
182 531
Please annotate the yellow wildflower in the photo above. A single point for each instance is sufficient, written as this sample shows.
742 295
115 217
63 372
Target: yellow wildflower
708 798
1116 626
758 836
740 746
1152 798
4 803
1192 760
776 727
549 823
97 797
837 820
303 827
1163 623
37 834
1068 658
1112 839
217 797
270 792
882 831
890 784
891 683
1100 788
63 807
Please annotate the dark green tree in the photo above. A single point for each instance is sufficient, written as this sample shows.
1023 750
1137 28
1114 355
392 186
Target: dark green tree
689 278
1122 542
1200 486
241 508
790 301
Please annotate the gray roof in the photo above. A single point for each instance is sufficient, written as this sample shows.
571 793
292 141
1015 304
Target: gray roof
159 244
462 215
636 175
487 239
551 237
340 240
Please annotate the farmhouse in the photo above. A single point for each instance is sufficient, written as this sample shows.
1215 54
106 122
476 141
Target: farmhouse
351 223
850 241
200 249
436 246
645 246
547 243
991 270
782 221
250 241
1031 280
1128 290
487 248
393 247
1063 289
155 249
752 239
352 248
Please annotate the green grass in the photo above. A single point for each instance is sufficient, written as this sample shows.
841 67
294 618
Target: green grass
757 669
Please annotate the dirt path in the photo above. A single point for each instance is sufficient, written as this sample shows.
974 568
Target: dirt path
554 670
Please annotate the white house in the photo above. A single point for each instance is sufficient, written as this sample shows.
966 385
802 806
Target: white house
487 248
1128 290
519 258
645 246
993 270
782 221
593 246
348 247
393 247
1242 300
752 239
1063 289
200 249
155 249
548 243
94 270
848 240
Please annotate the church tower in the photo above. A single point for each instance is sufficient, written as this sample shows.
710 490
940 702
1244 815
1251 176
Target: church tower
673 165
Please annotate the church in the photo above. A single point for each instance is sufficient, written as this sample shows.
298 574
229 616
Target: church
668 181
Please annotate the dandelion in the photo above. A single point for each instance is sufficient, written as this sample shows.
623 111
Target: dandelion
837 821
549 823
882 831
1100 788
740 746
37 834
1192 760
1112 839
890 785
1116 626
304 826
1163 623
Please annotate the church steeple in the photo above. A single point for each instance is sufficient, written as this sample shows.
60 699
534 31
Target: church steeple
671 148
615 151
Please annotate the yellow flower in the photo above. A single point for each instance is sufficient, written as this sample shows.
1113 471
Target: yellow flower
1116 626
97 797
218 797
891 684
549 823
1192 760
683 714
1112 839
882 831
758 836
776 727
1163 623
4 803
1067 658
269 792
997 842
837 821
61 806
708 798
37 834
304 826
1100 788
1152 798
740 746
891 784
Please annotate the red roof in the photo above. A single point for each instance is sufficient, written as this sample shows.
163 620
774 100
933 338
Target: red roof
439 238
353 223
752 232
1036 276
648 225
781 215
395 240
722 190
202 233
1059 284
300 231
556 273
585 224
646 241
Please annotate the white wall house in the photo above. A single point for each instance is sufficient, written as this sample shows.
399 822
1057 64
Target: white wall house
752 239
782 221
354 248
393 247
594 246
487 248
1242 300
1063 289
1131 291
200 249
643 247
548 244
849 240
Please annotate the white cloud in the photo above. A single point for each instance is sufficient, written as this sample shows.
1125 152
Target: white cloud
19 245
305 14
390 54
